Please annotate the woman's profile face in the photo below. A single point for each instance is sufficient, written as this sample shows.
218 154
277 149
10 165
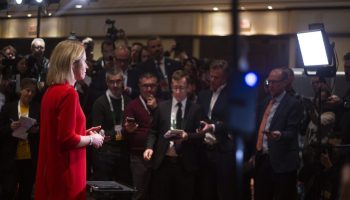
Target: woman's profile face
79 68
22 66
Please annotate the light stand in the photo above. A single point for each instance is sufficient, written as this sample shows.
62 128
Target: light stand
38 20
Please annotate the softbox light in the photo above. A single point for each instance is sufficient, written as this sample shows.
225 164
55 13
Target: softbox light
317 53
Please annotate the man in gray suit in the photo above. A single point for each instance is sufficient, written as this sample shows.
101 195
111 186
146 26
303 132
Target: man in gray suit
276 160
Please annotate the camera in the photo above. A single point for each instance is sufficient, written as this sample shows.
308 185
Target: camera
112 31
110 22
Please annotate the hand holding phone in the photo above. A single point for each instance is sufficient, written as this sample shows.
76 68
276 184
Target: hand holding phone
201 126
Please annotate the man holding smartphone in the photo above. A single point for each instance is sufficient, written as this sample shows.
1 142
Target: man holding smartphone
137 124
174 160
276 159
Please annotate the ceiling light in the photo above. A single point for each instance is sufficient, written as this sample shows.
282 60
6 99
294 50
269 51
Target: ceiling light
29 15
78 6
269 7
49 14
18 1
39 1
9 16
215 8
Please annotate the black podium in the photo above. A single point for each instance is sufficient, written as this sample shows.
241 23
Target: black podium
108 190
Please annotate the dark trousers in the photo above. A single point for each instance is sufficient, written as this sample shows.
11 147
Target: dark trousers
141 176
111 164
172 182
18 181
216 177
270 185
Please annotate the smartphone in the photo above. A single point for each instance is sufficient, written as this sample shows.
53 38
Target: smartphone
201 126
130 120
176 131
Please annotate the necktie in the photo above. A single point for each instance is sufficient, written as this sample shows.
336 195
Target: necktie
159 70
263 122
178 126
179 116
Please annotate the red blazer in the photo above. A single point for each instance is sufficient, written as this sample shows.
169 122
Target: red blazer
61 171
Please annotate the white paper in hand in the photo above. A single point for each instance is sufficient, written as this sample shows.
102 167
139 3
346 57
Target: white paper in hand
26 123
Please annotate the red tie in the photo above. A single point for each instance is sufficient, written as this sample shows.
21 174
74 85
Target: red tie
259 142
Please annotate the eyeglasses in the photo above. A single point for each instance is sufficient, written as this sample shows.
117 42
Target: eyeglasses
272 82
38 47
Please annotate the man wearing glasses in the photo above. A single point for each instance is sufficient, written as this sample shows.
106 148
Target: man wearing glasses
37 62
276 159
137 124
111 162
173 143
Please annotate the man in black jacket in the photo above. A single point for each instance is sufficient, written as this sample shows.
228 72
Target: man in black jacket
174 152
159 65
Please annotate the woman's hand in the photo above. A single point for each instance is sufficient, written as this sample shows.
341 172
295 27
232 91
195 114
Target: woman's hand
15 125
93 130
97 140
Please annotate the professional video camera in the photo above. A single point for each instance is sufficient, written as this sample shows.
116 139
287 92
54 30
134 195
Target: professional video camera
112 32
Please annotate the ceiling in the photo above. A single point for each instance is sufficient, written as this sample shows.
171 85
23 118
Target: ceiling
67 7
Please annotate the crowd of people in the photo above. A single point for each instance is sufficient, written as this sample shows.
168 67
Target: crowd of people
159 124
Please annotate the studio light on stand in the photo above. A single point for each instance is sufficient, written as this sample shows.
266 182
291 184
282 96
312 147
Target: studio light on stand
317 53
319 60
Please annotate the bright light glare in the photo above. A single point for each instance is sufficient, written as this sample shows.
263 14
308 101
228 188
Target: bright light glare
18 1
29 15
269 7
312 48
78 6
251 79
215 8
239 155
39 1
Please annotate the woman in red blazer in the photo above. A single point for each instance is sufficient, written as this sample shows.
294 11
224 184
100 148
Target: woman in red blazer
61 172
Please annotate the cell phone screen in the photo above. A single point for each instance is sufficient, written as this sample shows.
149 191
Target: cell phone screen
130 119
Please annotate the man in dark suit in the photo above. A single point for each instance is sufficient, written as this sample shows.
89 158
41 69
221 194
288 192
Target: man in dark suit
122 62
217 177
277 159
174 152
98 84
159 65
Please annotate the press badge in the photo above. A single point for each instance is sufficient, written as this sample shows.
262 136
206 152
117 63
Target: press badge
118 132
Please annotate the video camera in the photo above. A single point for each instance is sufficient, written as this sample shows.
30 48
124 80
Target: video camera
112 31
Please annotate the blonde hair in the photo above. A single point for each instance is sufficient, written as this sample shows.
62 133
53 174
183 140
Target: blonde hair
61 61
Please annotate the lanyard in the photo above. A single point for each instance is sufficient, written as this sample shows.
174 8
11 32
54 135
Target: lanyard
111 106
144 104
19 111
